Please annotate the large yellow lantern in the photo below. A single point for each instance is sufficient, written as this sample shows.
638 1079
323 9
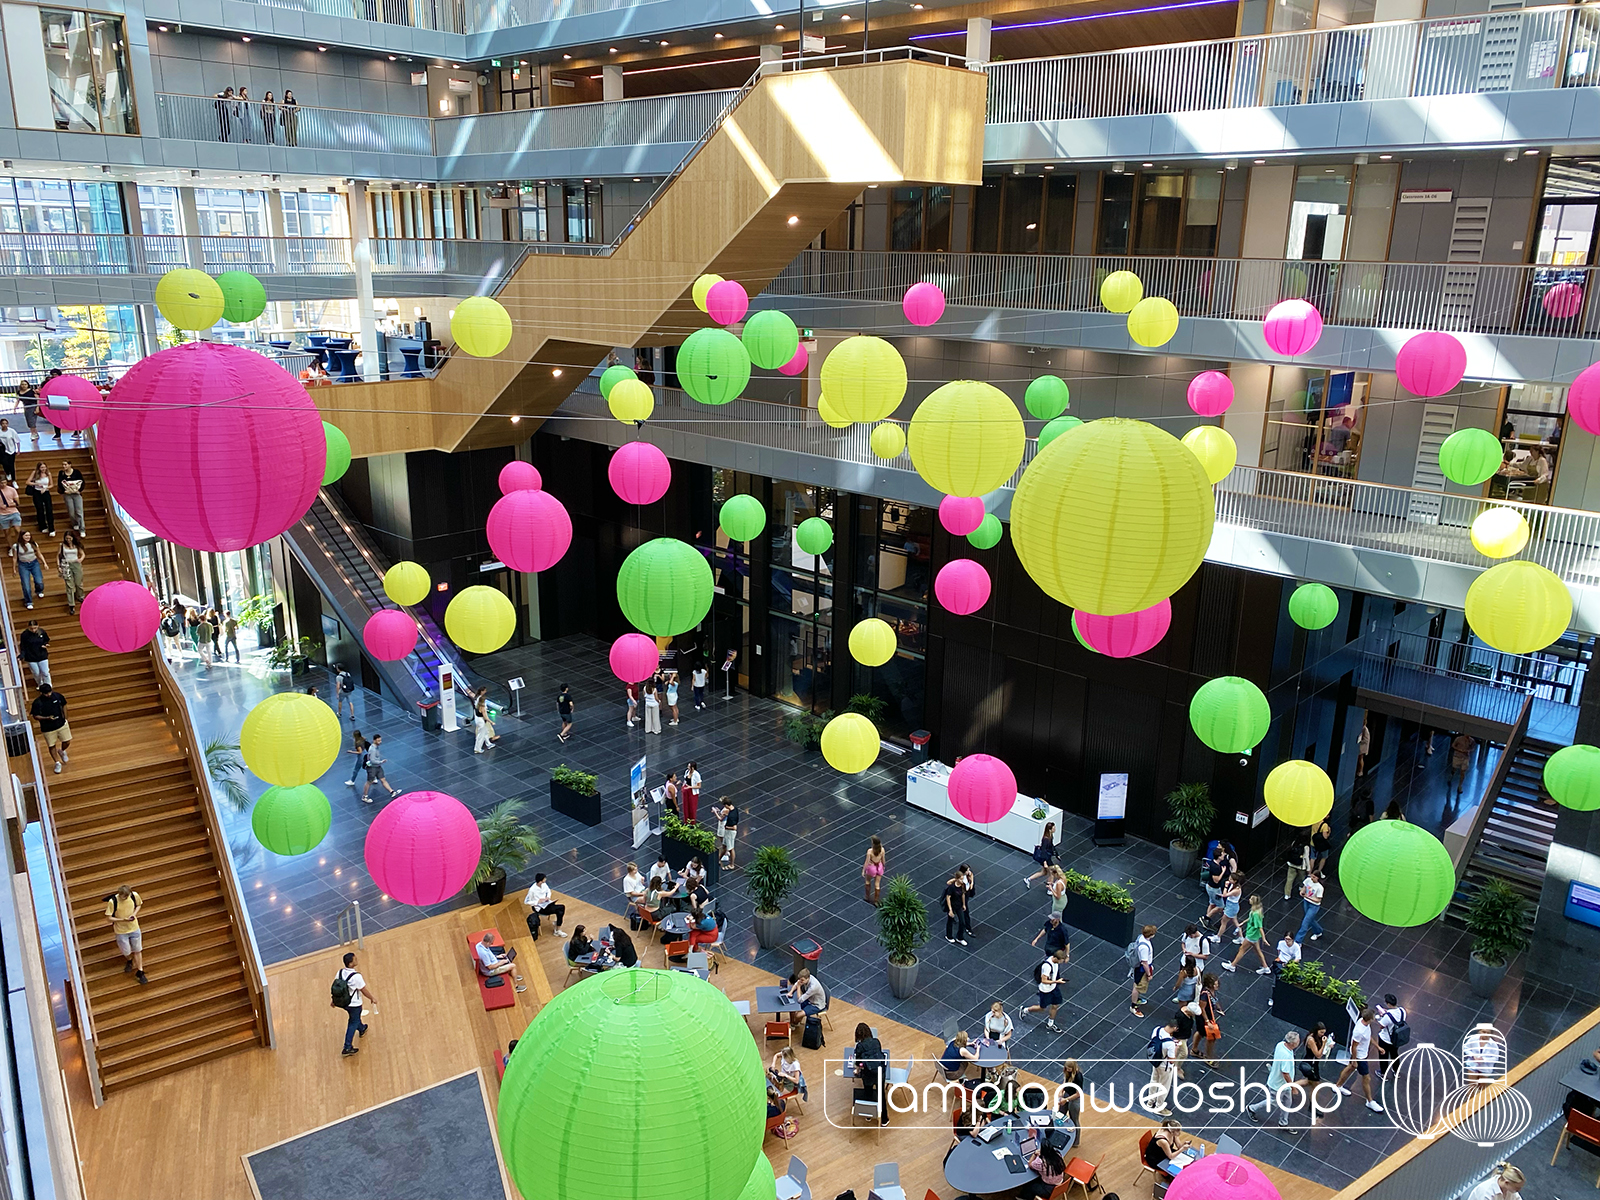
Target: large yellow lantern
830 415
290 739
480 619
850 743
1153 321
702 289
1120 291
1499 532
873 642
1112 516
1298 792
189 299
1518 607
407 583
1214 447
481 326
967 438
631 400
865 378
888 440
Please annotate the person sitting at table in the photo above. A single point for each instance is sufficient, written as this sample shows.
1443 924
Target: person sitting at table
1167 1141
655 900
582 950
785 1071
700 895
1051 1169
997 1025
700 920
957 1054
775 1103
869 1069
807 992
622 946
662 871
505 1059
634 884
312 375
695 872
496 960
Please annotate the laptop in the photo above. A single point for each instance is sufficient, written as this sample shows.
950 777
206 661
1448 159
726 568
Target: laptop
1226 1145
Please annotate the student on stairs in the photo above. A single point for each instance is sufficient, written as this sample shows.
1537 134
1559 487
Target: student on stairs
36 651
122 911
49 708
30 567
69 561
70 484
39 489
10 514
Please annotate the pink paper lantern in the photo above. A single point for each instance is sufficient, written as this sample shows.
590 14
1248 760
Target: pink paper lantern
529 530
639 473
1126 635
1292 327
120 616
519 476
727 302
982 788
962 586
797 364
212 446
961 514
1563 301
1430 364
1210 393
634 657
389 635
423 847
1222 1177
1583 399
923 303
85 404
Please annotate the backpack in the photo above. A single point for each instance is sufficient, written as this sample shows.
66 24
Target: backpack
812 1038
170 626
1399 1029
340 992
347 684
1038 972
1131 957
1158 1041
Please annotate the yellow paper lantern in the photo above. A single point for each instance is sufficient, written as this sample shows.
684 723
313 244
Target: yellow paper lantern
888 440
1120 291
631 400
1499 532
290 739
189 299
407 583
481 326
850 743
1298 792
1153 321
1518 607
702 288
1112 516
865 378
1214 447
480 619
967 438
873 642
830 415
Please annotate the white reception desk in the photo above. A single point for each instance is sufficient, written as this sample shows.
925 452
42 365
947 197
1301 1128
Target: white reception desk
928 788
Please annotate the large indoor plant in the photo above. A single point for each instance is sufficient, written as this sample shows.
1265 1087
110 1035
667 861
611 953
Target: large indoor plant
508 845
575 794
1497 919
1304 993
1190 826
682 840
769 879
257 612
902 929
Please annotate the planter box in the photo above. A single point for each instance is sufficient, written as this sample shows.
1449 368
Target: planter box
564 800
679 853
1303 1009
1099 921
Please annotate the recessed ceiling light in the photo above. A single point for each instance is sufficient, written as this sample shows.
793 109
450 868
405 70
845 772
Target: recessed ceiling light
663 42
716 37
1261 162
514 420
872 187
1049 168
636 179
1526 152
556 372
793 220
1385 157
391 58
322 49
566 58
162 28
1034 225
917 7
612 50
247 38
779 28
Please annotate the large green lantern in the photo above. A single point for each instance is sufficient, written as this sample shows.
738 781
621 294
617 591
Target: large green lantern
1470 456
1230 715
291 820
664 587
1572 777
1047 397
1313 606
1056 428
613 375
771 339
742 518
814 536
987 535
1397 874
338 460
713 366
243 297
763 1183
573 1107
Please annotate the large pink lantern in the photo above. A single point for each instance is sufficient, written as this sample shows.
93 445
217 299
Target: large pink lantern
1430 364
1210 393
1583 399
1126 635
423 847
389 635
529 530
727 302
120 616
85 404
1292 327
982 788
923 303
1563 301
962 586
639 473
961 514
634 657
797 364
212 446
519 476
1222 1177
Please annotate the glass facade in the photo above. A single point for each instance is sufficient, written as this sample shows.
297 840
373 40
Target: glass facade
799 649
59 206
86 65
1163 213
1315 421
1024 214
83 337
891 575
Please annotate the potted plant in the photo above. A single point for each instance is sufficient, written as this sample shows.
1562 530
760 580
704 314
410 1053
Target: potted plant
257 611
508 844
292 656
682 840
1100 908
1497 919
902 929
873 708
1304 993
575 794
1190 826
804 730
768 880
226 768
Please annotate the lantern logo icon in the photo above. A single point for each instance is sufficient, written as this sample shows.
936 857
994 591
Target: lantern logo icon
1429 1091
1417 1087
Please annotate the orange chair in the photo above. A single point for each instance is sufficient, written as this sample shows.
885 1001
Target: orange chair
678 950
1582 1130
780 1029
1080 1173
1144 1168
932 1195
649 921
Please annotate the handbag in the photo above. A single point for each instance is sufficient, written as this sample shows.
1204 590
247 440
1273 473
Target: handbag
1213 1031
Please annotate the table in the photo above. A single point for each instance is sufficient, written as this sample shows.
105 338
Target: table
768 1000
412 358
991 1054
928 788
1580 1081
677 924
972 1167
342 364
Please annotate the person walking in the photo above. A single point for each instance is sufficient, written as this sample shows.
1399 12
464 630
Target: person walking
10 514
872 871
1461 748
483 728
1318 1046
10 443
69 482
1311 895
633 703
1143 967
1280 1077
1209 1026
698 679
122 913
1393 1031
30 570
1251 939
49 708
28 398
690 798
358 748
1056 888
1047 976
564 708
69 561
35 646
1044 854
652 707
728 820
375 761
351 986
672 695
214 621
1163 1053
291 119
39 488
954 903
344 691
230 635
1360 1051
1321 847
1363 748
968 879
1231 893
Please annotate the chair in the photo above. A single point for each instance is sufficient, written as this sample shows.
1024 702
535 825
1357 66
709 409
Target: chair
932 1195
774 1122
1080 1173
886 1182
792 1183
822 1012
780 1029
1582 1130
864 1108
902 1074
676 950
1144 1168
576 968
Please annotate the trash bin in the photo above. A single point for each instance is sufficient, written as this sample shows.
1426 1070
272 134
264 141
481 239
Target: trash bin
807 952
919 746
432 722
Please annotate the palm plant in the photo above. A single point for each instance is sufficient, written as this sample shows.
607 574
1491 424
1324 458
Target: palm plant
1192 814
1497 919
902 921
508 844
225 765
770 877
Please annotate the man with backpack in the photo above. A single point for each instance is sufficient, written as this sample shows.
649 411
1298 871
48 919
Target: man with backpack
344 688
349 991
1140 957
1394 1032
1047 975
1163 1054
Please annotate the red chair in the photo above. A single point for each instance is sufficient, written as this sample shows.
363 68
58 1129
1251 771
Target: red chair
1144 1145
1080 1173
505 995
1581 1130
932 1195
677 950
780 1029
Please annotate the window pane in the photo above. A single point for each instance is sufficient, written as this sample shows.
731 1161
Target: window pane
1021 207
1116 211
111 73
905 219
1202 213
1566 235
986 216
936 232
1060 197
1160 203
69 70
1317 216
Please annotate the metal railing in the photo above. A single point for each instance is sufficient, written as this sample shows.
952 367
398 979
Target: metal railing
1437 686
1527 49
349 925
1456 297
212 119
645 121
490 262
155 254
1491 791
452 16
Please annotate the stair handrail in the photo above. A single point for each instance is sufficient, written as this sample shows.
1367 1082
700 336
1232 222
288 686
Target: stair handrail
1491 790
349 921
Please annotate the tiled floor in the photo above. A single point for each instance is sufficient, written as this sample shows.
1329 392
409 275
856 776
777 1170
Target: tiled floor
791 797
1572 1175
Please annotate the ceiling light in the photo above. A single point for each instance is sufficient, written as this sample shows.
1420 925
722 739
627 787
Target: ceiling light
1327 170
391 58
162 28
247 38
1261 162
663 42
514 420
1527 152
1147 164
1049 167
1033 225
1385 157
916 7
716 37
556 371
566 58
636 179
779 28
793 220
872 187
613 49
322 49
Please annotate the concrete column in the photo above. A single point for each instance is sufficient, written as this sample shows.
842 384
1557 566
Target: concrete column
546 97
771 60
149 343
978 42
610 83
137 261
361 241
190 211
283 309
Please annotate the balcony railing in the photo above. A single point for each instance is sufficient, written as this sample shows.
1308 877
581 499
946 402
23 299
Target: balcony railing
209 119
1543 301
646 121
453 16
155 254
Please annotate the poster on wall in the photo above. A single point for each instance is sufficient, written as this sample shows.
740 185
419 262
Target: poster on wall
1111 810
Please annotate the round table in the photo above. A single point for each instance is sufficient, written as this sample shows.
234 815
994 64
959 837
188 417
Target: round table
676 924
972 1167
991 1054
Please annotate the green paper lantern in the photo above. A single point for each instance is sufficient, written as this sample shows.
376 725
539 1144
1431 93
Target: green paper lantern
291 820
613 375
189 299
713 366
1230 715
742 518
1470 456
605 1046
1055 429
763 1183
1397 874
664 587
987 535
1313 606
338 461
771 339
1047 397
243 297
1572 777
813 536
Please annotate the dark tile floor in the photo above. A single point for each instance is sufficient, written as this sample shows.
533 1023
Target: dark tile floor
1571 1176
792 797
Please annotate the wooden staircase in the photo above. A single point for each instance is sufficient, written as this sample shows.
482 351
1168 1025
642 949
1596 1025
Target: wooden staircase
1516 837
130 807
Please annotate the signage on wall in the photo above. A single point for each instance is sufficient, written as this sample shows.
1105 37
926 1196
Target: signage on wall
1583 903
810 43
1111 809
419 79
1426 195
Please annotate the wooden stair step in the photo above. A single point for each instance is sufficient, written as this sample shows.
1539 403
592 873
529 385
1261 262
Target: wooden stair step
175 1021
143 1067
102 880
163 955
115 1005
151 823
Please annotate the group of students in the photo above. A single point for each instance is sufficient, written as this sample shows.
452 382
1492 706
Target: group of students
234 113
651 898
646 700
210 632
369 759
